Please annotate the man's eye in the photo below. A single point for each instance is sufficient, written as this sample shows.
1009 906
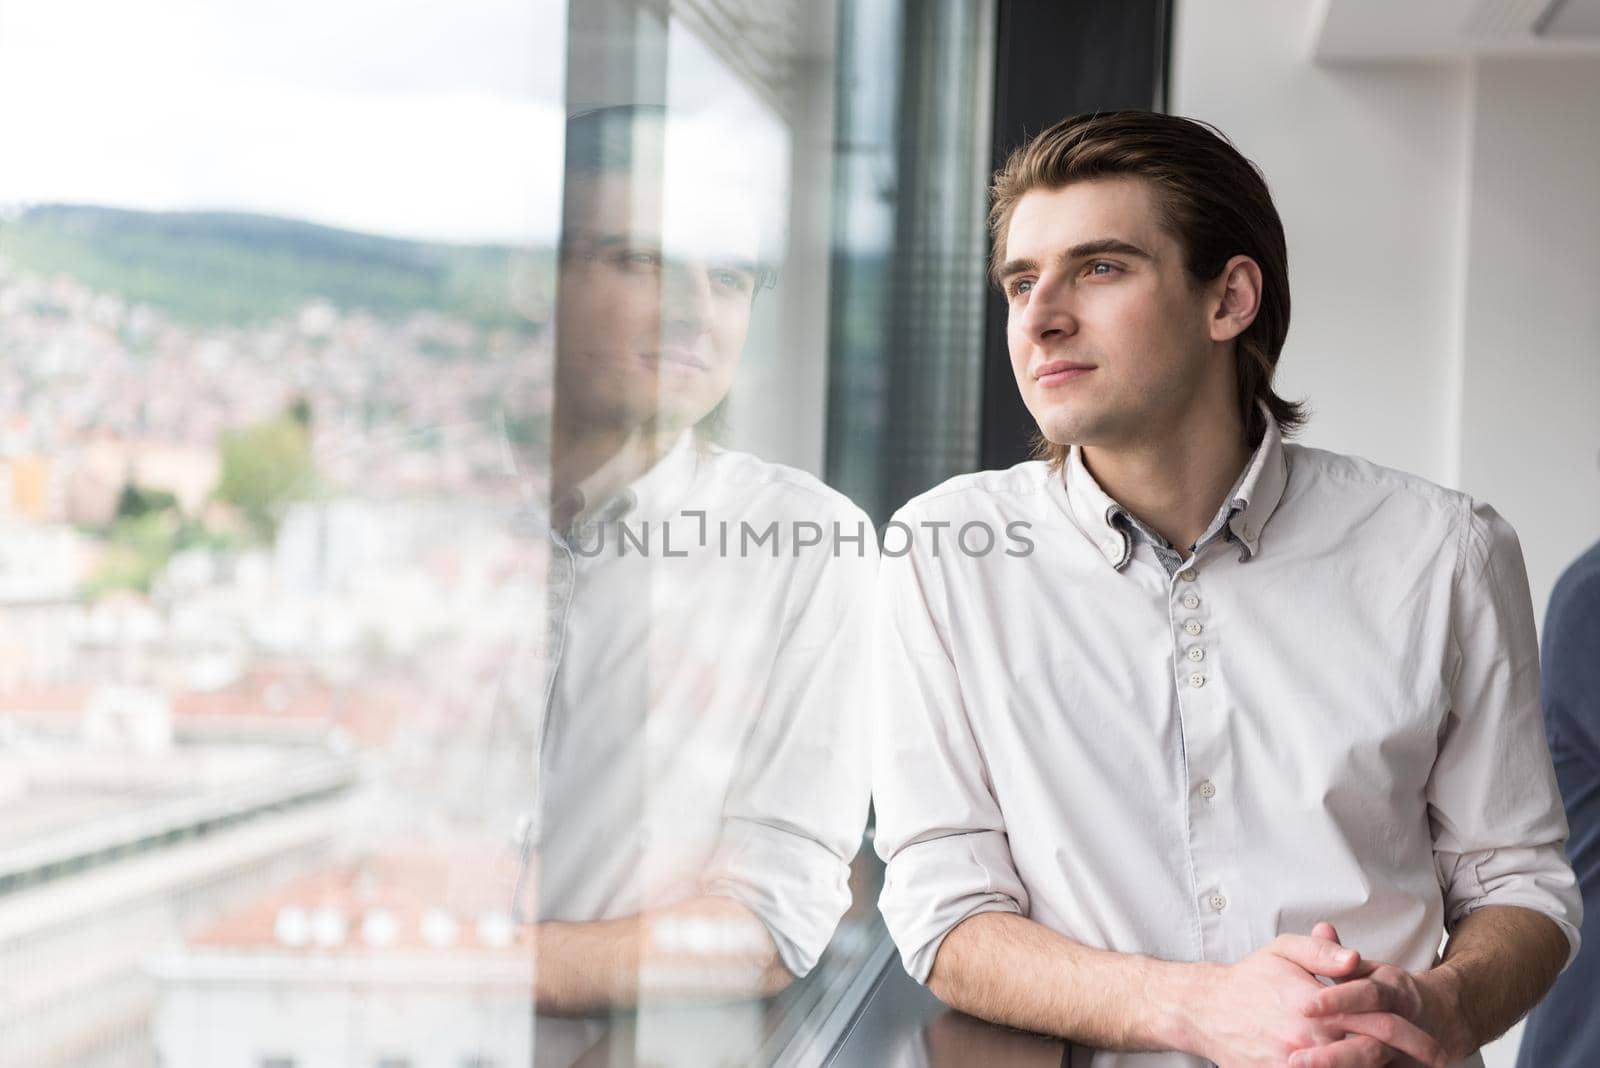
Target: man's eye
731 281
1110 269
1021 286
639 260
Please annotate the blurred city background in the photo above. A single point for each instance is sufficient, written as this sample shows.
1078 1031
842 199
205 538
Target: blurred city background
269 275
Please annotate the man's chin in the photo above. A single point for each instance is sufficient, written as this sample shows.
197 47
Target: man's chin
662 412
1088 429
1064 432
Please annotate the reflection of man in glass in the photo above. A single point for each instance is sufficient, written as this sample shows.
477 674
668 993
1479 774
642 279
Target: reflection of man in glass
700 789
654 302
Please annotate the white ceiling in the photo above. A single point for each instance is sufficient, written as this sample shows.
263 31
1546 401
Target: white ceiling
1377 30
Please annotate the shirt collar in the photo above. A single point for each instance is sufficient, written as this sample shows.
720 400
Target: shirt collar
653 494
1263 485
1254 500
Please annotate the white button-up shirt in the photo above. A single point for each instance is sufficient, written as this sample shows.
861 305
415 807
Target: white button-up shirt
696 718
699 727
1335 719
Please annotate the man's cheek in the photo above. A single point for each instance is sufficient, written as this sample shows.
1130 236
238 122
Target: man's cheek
734 325
1017 347
1019 369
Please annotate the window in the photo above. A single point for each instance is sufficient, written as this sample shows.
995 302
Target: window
261 383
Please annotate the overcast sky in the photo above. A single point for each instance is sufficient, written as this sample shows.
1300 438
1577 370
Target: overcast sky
432 120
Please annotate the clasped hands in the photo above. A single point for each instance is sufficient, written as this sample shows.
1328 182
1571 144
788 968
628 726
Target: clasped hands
1270 1009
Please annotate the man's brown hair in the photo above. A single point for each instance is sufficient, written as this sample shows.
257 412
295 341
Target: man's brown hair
1213 202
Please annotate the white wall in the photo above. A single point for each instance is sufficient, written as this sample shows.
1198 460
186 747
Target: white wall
1444 244
1530 422
1368 171
1443 226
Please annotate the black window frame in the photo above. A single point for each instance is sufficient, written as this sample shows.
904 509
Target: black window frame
1056 58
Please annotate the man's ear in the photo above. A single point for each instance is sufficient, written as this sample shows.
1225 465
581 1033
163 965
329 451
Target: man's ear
1236 298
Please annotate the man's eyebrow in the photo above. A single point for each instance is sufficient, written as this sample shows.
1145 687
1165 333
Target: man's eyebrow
1097 247
732 262
742 264
613 239
1011 267
589 239
1104 245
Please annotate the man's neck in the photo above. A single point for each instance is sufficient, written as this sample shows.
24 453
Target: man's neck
601 464
1175 483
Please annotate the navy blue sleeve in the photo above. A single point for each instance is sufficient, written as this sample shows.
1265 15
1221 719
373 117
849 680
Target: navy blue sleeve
1564 1030
1572 666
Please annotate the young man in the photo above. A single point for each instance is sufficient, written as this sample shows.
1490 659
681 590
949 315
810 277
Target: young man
1248 715
699 766
678 734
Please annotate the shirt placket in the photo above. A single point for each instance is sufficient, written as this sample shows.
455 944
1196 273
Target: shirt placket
562 577
1202 710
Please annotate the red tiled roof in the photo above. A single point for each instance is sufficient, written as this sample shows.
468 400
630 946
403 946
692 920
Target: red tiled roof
370 710
412 888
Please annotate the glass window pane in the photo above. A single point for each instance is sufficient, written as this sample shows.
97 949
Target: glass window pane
439 449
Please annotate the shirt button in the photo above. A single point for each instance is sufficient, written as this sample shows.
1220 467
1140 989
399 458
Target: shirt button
1208 790
1191 601
1218 902
1197 680
1191 626
1187 574
1197 654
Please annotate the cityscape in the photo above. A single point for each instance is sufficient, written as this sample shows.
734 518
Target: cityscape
258 595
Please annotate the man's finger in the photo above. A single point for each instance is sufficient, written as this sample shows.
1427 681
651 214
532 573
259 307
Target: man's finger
1396 1032
1357 1051
1325 930
1316 955
1356 995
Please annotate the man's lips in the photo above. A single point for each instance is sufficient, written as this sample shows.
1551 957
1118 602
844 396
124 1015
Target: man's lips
1057 372
681 359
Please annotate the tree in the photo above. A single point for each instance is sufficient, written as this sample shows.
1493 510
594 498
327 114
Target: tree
137 500
264 467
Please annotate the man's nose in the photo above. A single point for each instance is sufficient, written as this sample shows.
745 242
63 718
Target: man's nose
685 296
1049 312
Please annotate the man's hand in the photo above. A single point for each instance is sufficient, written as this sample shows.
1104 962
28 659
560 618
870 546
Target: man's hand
1255 1013
1431 1000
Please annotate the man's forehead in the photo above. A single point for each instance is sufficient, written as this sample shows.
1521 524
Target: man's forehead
706 222
1046 221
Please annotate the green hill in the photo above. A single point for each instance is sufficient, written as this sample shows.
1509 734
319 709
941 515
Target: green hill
227 267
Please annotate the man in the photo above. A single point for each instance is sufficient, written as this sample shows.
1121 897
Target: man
700 784
1564 1031
648 672
1248 716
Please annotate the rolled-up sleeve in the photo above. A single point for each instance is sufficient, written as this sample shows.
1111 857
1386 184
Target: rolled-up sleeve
1497 819
794 815
939 827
